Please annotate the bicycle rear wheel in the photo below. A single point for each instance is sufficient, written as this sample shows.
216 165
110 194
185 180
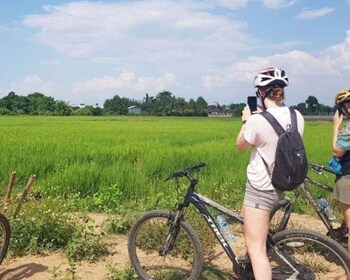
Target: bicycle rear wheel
280 215
315 256
158 249
5 235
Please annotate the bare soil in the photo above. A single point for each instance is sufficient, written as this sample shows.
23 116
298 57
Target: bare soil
56 266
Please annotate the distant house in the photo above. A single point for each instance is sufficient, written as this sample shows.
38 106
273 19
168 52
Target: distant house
76 106
219 111
134 110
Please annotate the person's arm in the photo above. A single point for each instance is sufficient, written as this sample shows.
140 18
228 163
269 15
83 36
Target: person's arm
337 120
241 143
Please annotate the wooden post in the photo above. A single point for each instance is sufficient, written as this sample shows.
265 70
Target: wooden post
9 187
7 198
24 195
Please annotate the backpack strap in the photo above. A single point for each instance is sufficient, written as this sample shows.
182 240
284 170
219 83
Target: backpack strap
276 125
293 117
278 128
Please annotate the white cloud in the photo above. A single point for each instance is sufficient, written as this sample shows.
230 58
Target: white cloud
320 74
311 14
332 62
142 30
278 4
183 39
105 60
296 63
50 62
33 83
340 54
144 84
126 81
106 83
231 4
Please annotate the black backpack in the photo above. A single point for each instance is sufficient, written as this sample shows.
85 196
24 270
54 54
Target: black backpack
290 161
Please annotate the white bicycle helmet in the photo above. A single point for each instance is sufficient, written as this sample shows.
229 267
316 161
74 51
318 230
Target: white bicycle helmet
271 76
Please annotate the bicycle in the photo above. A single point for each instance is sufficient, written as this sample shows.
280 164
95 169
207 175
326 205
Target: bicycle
281 213
5 234
163 245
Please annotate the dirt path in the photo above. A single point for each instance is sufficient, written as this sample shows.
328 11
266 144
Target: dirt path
56 266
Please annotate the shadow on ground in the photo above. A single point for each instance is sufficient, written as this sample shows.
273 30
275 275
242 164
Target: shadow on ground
23 271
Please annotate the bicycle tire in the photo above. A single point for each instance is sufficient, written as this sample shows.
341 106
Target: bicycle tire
279 216
317 256
5 235
146 238
340 234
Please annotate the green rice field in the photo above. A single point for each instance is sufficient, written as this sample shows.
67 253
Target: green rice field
133 155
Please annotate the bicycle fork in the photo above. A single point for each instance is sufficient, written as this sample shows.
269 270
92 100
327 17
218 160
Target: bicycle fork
174 229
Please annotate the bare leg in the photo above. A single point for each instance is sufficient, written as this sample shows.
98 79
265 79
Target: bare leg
256 226
346 213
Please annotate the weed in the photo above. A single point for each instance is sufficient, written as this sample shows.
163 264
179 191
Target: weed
39 228
85 244
117 225
116 274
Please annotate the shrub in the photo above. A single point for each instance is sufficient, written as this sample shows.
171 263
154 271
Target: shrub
40 229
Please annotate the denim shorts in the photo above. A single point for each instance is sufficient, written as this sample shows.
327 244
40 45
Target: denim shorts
264 200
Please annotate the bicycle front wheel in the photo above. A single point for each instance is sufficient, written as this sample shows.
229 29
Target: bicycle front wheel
158 249
5 234
315 256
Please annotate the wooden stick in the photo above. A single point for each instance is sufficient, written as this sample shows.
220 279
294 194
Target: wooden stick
10 186
24 195
7 198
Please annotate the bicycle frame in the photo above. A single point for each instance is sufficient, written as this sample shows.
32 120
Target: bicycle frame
200 202
283 248
304 188
315 204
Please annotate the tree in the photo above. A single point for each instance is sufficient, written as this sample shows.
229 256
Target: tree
82 111
15 104
301 107
202 107
312 104
237 109
118 105
164 102
39 104
61 108
148 104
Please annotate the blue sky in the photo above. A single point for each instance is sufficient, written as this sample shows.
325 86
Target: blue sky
89 51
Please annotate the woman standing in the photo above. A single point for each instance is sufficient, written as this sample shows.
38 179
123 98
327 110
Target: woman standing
257 133
341 150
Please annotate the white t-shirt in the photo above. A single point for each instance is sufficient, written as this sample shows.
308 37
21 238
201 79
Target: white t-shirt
263 138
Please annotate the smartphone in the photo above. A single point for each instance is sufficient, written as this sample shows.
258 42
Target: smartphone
252 103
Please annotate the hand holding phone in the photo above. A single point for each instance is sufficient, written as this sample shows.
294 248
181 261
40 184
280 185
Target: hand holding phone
252 103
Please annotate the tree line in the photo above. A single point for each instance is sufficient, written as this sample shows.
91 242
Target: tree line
162 104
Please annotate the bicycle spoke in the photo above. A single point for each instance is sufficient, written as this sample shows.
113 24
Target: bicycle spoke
4 236
177 262
313 255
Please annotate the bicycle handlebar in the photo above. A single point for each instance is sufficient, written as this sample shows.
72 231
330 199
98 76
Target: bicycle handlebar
186 172
319 168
